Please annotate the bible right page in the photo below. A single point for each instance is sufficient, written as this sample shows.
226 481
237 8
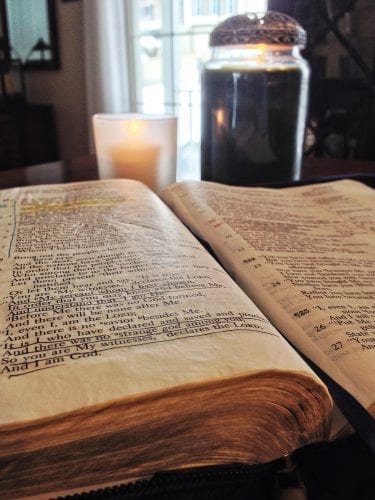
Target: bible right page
305 256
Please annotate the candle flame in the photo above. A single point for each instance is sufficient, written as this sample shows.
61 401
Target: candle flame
134 127
261 52
220 116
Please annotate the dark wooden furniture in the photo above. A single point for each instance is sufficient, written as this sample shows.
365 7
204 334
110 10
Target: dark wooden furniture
27 134
85 168
340 50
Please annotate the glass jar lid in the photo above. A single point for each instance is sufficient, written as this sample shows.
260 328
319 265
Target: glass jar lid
267 28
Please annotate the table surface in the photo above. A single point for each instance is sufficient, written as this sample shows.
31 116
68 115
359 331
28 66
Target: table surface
85 168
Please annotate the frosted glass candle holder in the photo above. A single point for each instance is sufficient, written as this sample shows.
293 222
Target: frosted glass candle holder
137 146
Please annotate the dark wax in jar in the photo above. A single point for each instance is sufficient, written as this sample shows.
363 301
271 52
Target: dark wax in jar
250 125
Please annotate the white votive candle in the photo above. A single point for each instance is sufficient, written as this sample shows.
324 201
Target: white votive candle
136 146
136 161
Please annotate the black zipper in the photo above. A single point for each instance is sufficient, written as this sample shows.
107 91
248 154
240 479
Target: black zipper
233 482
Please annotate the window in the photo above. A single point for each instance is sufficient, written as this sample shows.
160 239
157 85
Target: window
168 43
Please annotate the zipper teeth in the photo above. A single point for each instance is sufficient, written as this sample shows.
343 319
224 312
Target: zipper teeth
166 482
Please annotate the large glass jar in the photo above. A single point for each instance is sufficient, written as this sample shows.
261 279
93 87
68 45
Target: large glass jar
254 100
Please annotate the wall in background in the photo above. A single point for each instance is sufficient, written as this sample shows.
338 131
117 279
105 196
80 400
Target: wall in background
65 88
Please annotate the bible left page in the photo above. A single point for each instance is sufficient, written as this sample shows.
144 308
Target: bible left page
105 294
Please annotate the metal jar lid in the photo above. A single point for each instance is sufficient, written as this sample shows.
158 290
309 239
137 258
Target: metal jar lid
270 28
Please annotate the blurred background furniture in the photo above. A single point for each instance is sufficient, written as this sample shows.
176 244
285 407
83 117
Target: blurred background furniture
27 134
341 52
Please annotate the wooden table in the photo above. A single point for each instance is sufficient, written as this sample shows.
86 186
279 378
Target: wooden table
85 168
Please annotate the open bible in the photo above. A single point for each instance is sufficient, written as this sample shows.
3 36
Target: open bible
126 349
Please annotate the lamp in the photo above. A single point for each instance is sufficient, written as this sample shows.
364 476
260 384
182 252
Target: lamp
41 46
